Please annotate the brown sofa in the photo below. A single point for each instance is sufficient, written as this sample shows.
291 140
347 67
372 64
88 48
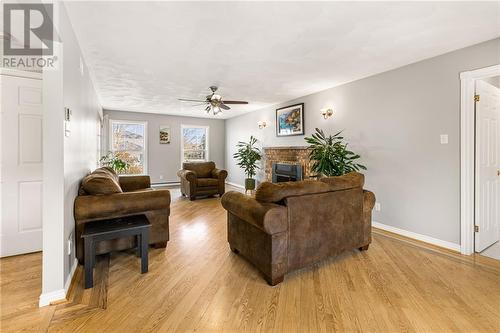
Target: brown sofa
288 226
201 179
105 195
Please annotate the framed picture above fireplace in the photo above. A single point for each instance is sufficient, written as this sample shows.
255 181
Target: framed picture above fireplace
290 120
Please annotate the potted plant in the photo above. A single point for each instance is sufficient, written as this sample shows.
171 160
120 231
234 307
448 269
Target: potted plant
114 162
247 157
330 155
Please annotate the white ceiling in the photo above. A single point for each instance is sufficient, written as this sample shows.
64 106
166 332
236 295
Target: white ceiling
145 55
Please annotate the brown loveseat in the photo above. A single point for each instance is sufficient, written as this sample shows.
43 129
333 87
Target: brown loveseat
104 195
293 225
201 179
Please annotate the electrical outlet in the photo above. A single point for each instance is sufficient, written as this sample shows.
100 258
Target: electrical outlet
377 206
161 177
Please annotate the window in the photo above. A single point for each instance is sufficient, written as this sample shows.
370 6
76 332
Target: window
128 142
194 143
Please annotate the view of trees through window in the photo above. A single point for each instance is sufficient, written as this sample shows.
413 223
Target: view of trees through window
128 144
194 143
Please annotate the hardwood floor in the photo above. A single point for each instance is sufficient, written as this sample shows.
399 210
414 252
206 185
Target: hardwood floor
198 284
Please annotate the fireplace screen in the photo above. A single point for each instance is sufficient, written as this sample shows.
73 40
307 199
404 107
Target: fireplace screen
286 172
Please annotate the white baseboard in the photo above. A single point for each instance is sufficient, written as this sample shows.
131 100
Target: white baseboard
236 185
420 237
166 184
53 296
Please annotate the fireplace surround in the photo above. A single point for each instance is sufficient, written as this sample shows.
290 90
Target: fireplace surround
297 155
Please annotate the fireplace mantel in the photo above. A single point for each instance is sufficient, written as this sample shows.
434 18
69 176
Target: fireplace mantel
288 147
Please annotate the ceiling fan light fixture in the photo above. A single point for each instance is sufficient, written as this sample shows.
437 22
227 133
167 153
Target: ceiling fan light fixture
214 102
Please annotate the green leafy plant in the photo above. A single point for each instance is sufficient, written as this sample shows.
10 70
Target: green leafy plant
114 162
330 155
247 156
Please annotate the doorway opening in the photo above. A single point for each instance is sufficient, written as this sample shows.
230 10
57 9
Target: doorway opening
480 159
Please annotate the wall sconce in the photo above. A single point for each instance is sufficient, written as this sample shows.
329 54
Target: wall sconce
327 112
262 124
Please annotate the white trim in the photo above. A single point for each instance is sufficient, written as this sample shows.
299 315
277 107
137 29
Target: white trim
236 185
125 121
481 73
46 299
19 73
58 295
207 142
467 149
174 183
420 237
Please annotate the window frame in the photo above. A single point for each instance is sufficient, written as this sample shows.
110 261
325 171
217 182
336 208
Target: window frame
207 142
134 122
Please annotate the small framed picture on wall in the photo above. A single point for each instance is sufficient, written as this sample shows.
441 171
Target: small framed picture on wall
164 134
290 120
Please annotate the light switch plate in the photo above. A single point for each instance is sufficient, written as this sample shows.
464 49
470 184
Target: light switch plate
444 139
70 244
377 206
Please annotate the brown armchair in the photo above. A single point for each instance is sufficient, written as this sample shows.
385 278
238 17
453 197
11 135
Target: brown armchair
104 195
293 225
201 179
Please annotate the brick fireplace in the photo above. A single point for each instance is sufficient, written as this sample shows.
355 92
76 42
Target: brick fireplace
287 155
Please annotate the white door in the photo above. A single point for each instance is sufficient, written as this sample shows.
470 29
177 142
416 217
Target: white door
487 191
20 164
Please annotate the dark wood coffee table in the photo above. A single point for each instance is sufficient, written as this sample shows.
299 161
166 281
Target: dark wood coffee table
137 225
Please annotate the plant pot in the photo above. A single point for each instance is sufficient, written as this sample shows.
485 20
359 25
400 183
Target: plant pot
249 184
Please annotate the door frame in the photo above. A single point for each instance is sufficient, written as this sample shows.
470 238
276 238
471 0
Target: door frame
467 153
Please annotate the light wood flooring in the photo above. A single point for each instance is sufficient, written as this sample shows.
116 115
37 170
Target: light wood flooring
198 284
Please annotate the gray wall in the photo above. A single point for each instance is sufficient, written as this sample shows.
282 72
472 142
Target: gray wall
74 156
165 159
394 120
80 147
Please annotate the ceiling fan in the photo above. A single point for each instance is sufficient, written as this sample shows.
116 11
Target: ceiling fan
213 102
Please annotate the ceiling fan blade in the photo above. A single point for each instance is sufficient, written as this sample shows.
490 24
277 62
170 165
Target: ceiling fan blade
235 102
191 100
224 106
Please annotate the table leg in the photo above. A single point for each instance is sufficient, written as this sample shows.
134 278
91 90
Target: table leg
89 262
139 245
144 251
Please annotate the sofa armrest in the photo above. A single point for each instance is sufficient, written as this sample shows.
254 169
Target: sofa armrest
219 174
134 183
368 202
91 207
269 217
188 175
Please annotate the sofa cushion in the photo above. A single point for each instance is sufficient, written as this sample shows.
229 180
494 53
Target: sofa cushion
107 171
206 182
202 169
349 180
275 192
100 183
